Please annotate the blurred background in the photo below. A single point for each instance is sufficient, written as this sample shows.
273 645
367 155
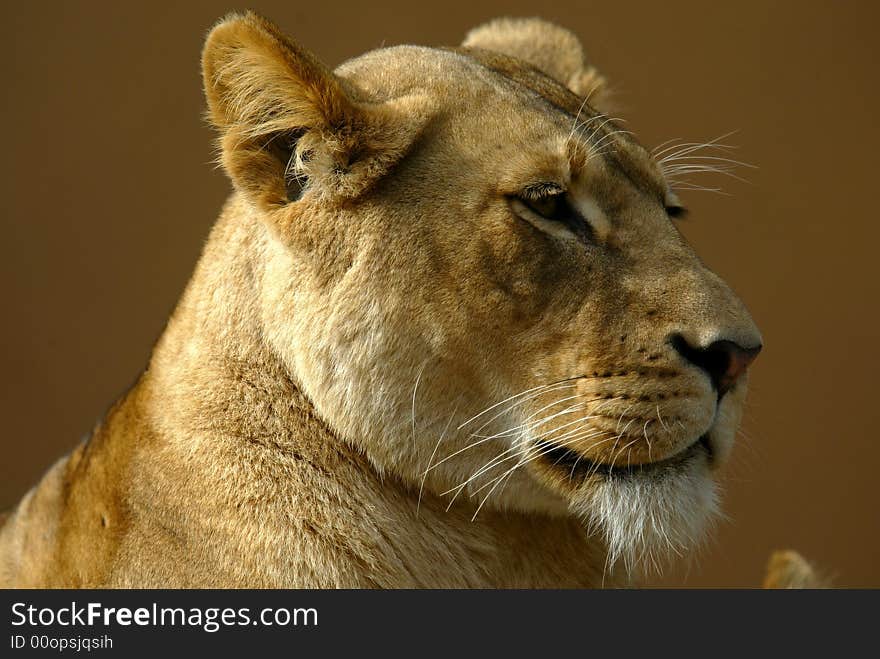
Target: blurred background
108 193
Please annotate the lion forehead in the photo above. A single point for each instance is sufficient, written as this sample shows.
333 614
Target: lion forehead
450 78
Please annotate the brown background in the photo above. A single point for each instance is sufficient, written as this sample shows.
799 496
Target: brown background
108 194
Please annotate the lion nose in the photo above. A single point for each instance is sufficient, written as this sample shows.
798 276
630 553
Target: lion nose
724 361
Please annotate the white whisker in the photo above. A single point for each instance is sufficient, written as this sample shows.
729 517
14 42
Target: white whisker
471 445
431 459
522 393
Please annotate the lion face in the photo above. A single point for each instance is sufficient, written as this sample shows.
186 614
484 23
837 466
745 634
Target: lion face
477 278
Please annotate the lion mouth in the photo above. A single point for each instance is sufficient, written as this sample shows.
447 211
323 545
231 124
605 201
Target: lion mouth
577 465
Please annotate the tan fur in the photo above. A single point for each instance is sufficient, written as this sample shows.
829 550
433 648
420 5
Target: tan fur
788 569
549 48
304 420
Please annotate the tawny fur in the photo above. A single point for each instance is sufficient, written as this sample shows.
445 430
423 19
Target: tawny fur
306 418
788 570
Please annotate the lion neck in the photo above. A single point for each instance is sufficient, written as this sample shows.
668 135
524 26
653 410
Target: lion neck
213 369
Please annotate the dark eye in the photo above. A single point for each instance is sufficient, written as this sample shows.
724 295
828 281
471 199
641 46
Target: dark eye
547 202
550 207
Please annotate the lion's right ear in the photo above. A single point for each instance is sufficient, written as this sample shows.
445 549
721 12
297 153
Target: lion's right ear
284 118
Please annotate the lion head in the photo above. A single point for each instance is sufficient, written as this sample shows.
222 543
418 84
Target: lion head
476 277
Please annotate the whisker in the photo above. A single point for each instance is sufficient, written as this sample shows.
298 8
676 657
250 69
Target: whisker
534 414
731 161
539 452
500 458
694 146
522 393
517 451
620 452
415 388
498 482
662 144
431 459
471 445
604 139
623 414
574 125
679 185
598 128
535 452
697 168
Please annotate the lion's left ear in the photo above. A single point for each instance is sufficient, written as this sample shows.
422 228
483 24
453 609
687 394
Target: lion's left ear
553 50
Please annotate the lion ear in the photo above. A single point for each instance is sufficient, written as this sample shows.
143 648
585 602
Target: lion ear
285 120
549 48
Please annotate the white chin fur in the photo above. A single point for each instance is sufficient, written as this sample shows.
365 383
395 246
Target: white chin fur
650 518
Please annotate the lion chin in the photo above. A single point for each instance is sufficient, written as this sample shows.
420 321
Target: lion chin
650 518
649 514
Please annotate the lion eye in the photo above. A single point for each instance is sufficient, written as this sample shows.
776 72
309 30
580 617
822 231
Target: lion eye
550 204
550 207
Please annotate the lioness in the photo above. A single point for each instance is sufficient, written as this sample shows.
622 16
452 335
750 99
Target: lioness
444 334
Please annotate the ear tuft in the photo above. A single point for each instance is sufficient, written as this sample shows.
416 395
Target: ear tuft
549 48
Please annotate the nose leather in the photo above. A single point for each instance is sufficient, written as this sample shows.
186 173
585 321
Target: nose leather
738 361
723 361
